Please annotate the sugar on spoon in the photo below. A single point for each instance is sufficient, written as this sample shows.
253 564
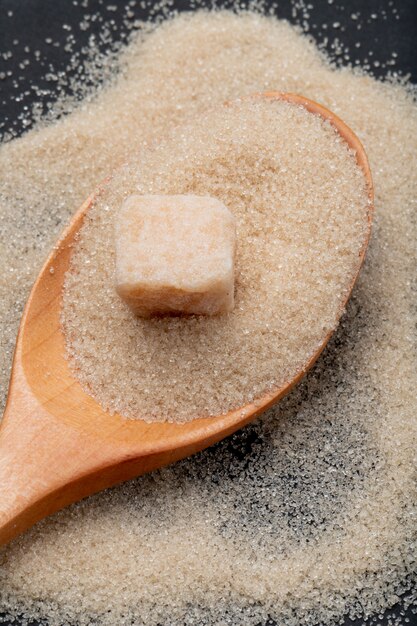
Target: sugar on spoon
57 444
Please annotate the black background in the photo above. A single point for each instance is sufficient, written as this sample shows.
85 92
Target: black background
386 31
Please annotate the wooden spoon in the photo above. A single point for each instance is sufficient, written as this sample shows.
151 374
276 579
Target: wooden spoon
57 445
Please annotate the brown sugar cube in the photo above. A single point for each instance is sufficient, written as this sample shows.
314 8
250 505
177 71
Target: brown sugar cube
175 255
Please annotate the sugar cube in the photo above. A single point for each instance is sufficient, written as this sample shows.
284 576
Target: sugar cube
175 255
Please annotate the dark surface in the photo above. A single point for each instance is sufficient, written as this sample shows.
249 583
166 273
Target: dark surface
386 31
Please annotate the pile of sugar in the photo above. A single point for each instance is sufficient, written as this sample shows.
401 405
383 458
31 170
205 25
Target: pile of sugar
307 514
301 206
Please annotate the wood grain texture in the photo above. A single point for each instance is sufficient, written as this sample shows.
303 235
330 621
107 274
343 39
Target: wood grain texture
57 445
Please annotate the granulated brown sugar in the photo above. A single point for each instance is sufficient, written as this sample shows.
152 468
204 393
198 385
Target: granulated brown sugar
310 512
301 206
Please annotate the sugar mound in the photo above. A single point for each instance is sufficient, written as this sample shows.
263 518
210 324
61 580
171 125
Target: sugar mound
301 206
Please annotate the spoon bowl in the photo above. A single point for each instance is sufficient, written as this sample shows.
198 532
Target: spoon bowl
57 444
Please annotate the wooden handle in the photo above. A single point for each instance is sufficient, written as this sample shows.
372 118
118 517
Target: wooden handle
47 463
34 463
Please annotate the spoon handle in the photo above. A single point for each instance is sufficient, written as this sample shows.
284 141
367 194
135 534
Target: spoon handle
33 462
45 464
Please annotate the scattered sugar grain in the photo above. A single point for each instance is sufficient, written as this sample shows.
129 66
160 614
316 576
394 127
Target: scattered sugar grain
310 512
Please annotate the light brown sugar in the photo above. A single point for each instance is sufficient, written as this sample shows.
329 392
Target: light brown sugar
301 207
